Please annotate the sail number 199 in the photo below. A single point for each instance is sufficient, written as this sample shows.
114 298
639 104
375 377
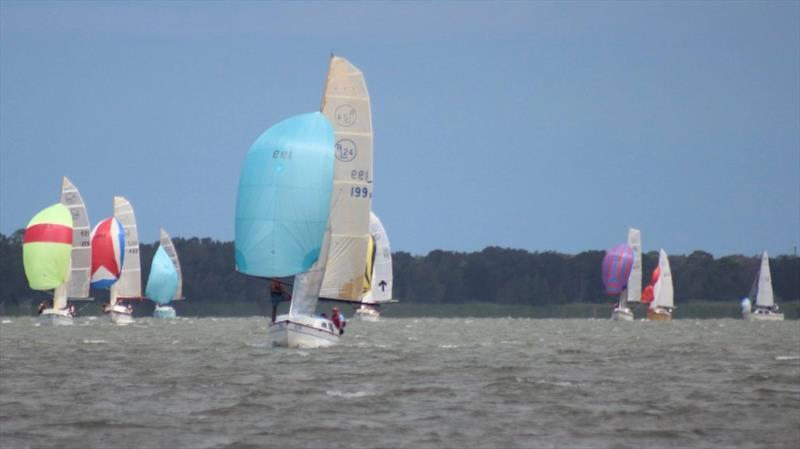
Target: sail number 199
359 192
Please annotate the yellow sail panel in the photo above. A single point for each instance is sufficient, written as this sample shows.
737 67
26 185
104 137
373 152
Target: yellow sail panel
367 286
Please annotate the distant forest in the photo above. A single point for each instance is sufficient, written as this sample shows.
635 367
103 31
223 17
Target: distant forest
494 275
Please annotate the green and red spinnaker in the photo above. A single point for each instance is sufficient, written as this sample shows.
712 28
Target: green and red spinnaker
47 247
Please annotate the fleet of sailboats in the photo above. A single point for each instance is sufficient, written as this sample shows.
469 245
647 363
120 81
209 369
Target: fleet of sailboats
303 212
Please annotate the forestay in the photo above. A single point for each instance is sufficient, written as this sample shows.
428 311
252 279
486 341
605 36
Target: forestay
346 104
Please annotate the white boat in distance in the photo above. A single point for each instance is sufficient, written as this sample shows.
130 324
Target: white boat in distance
765 308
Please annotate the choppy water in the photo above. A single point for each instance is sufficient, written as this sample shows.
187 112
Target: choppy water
493 383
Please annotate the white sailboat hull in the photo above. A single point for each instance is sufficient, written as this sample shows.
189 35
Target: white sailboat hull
55 317
121 315
303 332
367 313
164 313
763 316
622 314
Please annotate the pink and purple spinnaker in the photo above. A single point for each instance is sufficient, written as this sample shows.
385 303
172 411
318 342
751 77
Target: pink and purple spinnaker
617 265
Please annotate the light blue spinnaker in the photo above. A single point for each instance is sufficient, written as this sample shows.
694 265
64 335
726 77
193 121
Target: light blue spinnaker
284 197
163 280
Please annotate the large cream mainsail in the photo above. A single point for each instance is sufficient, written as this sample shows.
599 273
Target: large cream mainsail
129 284
80 275
345 103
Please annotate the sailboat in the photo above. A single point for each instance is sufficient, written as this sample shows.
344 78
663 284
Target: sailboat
633 292
378 273
282 214
78 280
662 305
765 308
346 103
129 285
46 256
165 283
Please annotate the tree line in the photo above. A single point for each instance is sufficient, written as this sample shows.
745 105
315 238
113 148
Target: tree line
495 275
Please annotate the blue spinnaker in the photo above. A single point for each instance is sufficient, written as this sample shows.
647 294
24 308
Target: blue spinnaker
163 280
284 197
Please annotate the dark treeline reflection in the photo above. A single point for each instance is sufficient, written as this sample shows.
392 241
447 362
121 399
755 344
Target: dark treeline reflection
498 275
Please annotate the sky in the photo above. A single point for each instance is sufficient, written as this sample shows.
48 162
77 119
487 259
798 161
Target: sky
534 125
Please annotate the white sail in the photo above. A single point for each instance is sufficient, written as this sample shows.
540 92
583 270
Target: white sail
80 274
764 296
381 286
634 290
129 284
662 291
169 248
346 104
305 292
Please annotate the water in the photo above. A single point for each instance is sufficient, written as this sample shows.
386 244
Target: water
483 383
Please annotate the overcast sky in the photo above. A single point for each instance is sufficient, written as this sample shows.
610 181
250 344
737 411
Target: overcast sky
534 125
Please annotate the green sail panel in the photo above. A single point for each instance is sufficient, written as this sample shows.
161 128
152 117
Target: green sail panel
47 247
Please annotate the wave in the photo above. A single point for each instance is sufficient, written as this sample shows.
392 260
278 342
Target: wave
787 357
346 395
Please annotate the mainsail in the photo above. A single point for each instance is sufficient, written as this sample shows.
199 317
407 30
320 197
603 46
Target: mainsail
129 284
79 279
345 103
762 290
381 280
283 204
634 290
662 290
